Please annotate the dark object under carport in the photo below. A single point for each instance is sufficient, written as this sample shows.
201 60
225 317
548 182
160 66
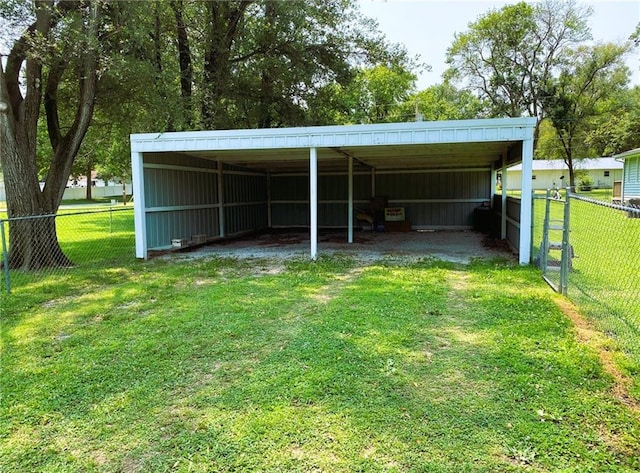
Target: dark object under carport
482 219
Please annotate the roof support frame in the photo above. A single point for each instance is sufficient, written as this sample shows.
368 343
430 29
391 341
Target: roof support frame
313 201
351 156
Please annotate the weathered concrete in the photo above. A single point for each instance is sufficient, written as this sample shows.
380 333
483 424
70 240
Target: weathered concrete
454 246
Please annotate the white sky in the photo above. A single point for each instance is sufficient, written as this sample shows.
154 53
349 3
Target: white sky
427 27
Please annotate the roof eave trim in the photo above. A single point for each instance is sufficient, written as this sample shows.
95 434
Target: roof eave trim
627 154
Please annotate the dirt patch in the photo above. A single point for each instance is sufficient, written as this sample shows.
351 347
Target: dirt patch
367 246
590 336
281 241
340 239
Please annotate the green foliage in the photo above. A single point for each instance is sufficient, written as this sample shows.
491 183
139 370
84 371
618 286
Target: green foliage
586 181
587 79
376 93
228 365
445 102
616 128
508 54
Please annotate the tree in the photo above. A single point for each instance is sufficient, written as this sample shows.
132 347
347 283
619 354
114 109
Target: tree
61 41
376 94
507 55
616 128
587 78
444 102
268 63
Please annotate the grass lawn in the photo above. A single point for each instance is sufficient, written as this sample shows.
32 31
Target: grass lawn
263 365
603 280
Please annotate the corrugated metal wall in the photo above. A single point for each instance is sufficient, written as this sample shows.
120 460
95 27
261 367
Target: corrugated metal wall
513 221
181 195
290 198
181 199
513 206
245 201
436 198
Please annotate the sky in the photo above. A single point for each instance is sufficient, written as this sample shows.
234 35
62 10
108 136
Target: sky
427 27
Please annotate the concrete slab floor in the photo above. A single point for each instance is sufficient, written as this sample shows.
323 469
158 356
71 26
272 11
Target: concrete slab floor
453 246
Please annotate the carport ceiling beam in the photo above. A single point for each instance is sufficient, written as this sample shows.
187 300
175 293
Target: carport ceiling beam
513 156
349 155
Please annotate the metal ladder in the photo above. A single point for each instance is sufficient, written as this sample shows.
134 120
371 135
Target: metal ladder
549 248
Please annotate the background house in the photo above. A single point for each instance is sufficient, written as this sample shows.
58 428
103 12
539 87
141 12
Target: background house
549 173
631 174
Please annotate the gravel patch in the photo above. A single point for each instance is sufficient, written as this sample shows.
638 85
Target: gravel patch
454 246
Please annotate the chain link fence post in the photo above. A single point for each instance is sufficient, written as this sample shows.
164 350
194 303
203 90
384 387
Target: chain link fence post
5 258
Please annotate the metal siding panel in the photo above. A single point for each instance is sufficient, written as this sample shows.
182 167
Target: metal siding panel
362 187
290 214
333 214
162 227
290 187
332 187
513 235
632 177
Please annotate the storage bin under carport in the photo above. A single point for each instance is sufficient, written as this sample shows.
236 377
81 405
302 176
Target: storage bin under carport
482 219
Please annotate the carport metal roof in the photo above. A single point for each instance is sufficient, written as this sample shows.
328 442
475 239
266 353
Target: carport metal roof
488 143
461 143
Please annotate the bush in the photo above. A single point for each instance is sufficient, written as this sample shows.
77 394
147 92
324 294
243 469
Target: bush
586 182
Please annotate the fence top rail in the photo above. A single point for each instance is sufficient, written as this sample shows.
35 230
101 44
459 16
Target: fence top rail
84 212
624 208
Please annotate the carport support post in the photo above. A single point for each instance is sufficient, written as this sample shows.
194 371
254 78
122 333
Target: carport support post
269 198
525 202
221 199
503 213
137 179
313 200
350 225
373 182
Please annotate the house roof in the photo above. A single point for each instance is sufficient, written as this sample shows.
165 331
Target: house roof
627 154
441 144
586 164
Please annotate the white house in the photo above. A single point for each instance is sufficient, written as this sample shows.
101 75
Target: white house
550 173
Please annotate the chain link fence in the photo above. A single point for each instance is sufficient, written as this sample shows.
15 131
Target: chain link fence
89 240
603 277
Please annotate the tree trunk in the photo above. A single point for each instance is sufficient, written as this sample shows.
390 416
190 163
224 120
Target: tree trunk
184 60
265 117
224 25
32 225
34 243
89 172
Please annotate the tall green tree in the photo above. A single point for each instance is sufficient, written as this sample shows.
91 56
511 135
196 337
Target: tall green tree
376 94
60 42
587 78
508 55
272 63
69 60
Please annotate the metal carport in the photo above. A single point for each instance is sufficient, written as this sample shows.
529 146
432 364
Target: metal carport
225 182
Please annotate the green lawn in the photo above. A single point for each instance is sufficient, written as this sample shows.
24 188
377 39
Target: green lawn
264 365
603 281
